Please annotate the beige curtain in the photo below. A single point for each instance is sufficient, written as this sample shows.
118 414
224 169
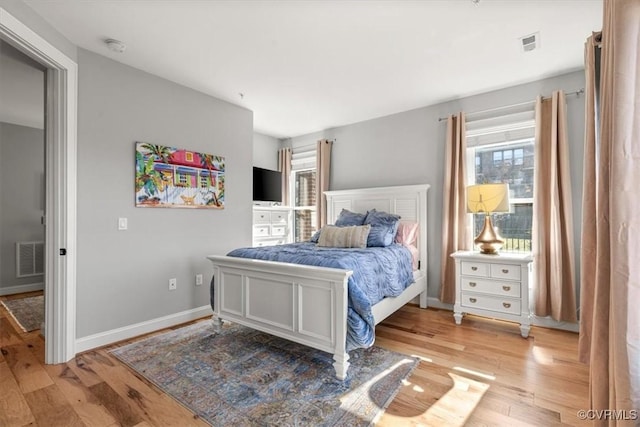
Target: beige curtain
284 166
588 236
613 315
456 230
552 231
323 173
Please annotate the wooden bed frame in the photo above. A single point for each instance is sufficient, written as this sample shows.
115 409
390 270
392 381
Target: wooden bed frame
308 304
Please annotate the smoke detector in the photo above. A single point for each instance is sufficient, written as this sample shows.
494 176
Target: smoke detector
116 45
530 42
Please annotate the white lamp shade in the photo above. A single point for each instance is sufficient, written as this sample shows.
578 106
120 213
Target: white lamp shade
488 198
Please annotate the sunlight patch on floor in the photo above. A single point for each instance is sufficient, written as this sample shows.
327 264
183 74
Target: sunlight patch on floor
457 405
476 373
348 397
422 358
452 409
542 356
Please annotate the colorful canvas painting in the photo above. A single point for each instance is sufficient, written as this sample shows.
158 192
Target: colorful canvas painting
168 177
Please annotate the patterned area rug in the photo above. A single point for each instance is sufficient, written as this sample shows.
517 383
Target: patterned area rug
243 377
28 312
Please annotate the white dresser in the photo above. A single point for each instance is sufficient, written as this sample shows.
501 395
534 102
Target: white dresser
271 225
494 286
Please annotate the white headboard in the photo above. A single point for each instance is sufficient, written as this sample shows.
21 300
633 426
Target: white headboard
408 201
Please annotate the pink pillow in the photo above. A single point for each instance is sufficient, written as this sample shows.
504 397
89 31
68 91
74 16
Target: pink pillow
407 235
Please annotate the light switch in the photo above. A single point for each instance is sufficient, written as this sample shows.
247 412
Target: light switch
122 223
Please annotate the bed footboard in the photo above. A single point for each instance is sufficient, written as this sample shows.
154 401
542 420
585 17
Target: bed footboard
305 304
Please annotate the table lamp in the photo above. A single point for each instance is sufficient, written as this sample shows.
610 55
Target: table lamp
488 198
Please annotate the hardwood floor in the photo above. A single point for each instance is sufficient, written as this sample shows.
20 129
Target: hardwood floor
481 373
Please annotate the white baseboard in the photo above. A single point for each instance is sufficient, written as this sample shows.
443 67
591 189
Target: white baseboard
131 331
31 287
433 302
545 322
126 332
436 303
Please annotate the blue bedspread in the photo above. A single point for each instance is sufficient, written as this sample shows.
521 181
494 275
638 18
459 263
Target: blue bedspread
377 273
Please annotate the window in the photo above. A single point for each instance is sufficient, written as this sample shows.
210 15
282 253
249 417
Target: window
303 194
504 153
183 179
205 182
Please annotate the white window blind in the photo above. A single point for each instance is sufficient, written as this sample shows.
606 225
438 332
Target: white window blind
501 129
301 160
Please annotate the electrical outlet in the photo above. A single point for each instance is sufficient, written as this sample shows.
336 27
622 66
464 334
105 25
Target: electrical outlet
173 284
199 279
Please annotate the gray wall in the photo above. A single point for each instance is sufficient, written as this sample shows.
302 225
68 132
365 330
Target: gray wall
22 88
265 151
21 197
408 148
122 276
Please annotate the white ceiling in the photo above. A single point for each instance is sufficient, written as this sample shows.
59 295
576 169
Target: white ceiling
305 66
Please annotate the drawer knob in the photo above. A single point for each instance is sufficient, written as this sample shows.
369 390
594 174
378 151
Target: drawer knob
474 268
506 288
473 300
506 304
472 284
505 270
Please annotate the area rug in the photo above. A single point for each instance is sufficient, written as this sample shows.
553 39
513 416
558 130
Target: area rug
28 312
243 377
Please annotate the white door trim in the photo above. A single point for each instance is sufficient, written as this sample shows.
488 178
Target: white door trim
61 133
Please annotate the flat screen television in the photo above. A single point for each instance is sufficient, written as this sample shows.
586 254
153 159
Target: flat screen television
267 185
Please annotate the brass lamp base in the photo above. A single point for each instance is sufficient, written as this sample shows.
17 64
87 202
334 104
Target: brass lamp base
488 240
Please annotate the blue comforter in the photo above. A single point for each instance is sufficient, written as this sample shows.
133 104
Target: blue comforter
377 273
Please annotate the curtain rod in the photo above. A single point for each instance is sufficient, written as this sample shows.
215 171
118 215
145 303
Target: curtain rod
597 38
576 92
313 144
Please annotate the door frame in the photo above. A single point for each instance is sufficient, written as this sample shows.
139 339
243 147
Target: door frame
61 176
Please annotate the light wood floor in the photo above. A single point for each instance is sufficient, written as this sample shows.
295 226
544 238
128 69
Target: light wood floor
481 373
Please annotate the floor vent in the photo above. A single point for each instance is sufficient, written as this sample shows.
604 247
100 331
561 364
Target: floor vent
29 259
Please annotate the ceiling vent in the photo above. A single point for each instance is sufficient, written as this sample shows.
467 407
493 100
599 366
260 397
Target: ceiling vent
530 42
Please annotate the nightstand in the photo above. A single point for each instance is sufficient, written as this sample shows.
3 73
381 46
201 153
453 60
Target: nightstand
495 286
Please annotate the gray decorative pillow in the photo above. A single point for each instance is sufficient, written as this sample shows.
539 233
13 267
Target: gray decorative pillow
384 227
347 217
354 236
316 236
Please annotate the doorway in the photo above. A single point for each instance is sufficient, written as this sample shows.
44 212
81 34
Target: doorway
22 186
60 184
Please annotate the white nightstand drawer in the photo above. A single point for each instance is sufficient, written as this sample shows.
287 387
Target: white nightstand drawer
471 268
484 302
269 242
279 217
488 287
505 271
261 230
278 230
261 217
